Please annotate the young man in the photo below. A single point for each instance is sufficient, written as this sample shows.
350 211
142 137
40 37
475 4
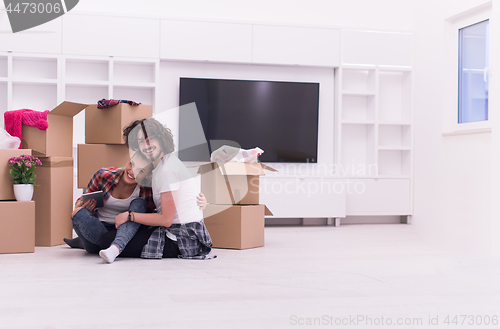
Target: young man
179 220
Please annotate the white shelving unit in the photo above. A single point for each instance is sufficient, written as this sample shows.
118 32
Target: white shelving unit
376 143
40 82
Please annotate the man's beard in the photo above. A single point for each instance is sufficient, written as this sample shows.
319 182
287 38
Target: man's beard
152 157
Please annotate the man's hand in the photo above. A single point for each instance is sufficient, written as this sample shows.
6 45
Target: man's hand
201 201
121 218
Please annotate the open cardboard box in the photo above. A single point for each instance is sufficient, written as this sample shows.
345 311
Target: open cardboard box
236 227
101 126
92 157
6 182
57 140
232 182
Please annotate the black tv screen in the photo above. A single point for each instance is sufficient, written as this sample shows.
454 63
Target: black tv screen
279 117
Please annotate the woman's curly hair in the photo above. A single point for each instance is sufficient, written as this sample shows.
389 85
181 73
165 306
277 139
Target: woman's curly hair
150 128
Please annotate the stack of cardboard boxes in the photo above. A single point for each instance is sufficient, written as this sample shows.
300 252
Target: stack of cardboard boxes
54 191
17 219
54 182
234 218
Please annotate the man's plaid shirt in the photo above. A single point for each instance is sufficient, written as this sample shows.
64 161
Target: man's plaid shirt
106 179
193 240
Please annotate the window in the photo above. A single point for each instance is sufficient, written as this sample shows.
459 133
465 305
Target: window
466 72
473 69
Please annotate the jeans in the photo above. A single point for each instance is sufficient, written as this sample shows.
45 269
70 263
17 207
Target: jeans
90 229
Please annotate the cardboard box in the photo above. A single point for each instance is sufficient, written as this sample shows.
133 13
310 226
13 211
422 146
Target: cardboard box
236 227
92 157
231 182
17 227
6 182
57 140
54 200
106 126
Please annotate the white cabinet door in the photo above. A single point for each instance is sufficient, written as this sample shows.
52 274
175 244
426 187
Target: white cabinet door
190 40
45 38
385 196
303 197
378 48
296 45
111 36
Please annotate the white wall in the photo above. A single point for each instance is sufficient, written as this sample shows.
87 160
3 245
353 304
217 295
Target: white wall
495 135
452 196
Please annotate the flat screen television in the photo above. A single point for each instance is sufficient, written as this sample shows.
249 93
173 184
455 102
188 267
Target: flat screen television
279 117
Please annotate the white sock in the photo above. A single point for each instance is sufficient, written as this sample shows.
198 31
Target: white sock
109 254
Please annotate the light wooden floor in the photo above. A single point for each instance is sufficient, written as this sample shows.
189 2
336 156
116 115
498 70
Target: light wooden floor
327 273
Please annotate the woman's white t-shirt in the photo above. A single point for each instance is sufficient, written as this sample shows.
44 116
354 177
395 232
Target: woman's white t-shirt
113 207
172 175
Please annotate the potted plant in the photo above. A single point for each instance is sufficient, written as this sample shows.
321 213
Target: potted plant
23 173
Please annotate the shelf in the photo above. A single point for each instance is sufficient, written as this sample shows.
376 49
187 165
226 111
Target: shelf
144 85
128 73
39 97
355 122
3 67
141 95
395 148
29 68
358 93
358 80
394 162
395 123
358 107
357 150
35 81
87 83
395 96
84 70
86 94
394 136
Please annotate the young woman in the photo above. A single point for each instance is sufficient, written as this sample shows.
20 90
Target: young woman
98 229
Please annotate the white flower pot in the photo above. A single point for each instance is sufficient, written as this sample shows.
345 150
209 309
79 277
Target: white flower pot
23 192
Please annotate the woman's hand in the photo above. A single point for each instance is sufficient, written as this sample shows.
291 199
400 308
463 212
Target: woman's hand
121 218
90 205
201 201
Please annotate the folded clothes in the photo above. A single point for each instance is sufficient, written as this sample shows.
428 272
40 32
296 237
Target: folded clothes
107 103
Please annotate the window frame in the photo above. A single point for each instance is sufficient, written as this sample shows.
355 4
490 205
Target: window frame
454 24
